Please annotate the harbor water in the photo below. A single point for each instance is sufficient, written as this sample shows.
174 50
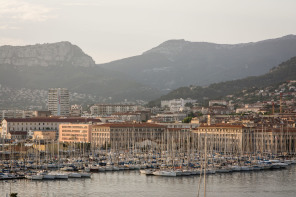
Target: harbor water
270 183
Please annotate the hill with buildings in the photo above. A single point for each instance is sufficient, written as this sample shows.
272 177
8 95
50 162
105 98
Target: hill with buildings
178 63
284 72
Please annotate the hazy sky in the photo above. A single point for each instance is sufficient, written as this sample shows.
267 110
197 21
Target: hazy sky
112 29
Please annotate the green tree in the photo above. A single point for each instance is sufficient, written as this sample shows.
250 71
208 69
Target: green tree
187 119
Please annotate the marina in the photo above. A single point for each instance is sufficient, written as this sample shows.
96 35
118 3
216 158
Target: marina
268 183
147 98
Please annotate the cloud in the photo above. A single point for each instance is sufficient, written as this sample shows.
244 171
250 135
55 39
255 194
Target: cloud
7 27
24 11
81 4
12 41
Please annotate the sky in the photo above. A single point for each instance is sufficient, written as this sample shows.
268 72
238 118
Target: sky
109 30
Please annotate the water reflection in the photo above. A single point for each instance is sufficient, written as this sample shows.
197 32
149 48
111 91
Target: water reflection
262 183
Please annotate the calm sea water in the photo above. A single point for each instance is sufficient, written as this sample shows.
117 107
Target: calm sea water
247 184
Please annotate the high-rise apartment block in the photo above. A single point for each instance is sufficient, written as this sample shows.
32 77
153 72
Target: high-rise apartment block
58 101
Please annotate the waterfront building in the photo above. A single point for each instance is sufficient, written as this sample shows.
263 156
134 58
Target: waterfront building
224 137
238 139
75 133
58 101
40 124
281 140
124 135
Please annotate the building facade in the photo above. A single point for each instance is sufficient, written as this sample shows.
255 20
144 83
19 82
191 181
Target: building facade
44 135
80 133
125 135
224 138
58 101
108 109
176 105
39 124
76 110
238 139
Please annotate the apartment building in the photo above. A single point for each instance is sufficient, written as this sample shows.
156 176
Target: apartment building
58 101
75 133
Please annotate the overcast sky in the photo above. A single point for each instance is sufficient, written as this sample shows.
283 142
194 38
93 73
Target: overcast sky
113 29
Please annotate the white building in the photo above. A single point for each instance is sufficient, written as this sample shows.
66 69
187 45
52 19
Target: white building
176 105
58 101
76 110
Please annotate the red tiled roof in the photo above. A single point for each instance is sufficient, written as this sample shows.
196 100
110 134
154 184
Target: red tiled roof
222 125
176 129
125 113
284 130
18 132
135 125
55 119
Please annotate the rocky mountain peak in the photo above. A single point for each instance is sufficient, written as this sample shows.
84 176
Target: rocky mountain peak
169 47
48 54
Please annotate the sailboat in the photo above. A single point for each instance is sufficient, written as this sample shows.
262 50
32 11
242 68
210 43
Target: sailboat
59 175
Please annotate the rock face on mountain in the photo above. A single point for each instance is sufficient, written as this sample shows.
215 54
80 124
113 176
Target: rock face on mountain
62 64
177 63
56 54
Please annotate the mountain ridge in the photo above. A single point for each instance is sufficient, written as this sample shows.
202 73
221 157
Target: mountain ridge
177 63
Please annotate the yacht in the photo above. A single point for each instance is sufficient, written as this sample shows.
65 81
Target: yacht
164 173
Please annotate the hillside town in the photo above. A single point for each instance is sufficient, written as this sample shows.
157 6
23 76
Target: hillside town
179 128
276 105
